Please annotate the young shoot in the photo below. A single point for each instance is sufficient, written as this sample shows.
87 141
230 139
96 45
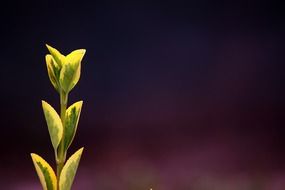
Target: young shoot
64 74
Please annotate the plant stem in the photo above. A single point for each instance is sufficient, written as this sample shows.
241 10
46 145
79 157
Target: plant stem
61 152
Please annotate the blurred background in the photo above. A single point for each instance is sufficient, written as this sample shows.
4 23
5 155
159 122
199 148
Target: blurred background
178 95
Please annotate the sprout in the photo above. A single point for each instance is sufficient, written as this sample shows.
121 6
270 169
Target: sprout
64 74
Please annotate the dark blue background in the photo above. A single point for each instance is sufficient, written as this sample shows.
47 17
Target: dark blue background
177 94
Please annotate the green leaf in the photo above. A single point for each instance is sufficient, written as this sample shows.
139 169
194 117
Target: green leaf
45 172
71 122
70 72
53 71
54 124
69 170
58 57
75 56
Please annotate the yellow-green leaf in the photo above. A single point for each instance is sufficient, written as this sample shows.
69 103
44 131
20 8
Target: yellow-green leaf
69 170
70 72
75 56
45 172
53 71
58 57
71 122
54 124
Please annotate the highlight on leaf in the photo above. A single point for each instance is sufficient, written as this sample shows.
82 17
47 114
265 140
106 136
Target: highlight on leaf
53 71
45 173
58 57
70 72
75 56
71 122
69 170
54 124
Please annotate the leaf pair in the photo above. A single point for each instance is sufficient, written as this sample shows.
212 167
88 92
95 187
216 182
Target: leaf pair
47 176
55 126
64 71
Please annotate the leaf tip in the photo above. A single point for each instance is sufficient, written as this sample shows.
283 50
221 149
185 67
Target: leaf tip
48 46
44 103
32 154
83 51
48 57
35 157
79 152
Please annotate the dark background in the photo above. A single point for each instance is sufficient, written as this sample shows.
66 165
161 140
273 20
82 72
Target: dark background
178 95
